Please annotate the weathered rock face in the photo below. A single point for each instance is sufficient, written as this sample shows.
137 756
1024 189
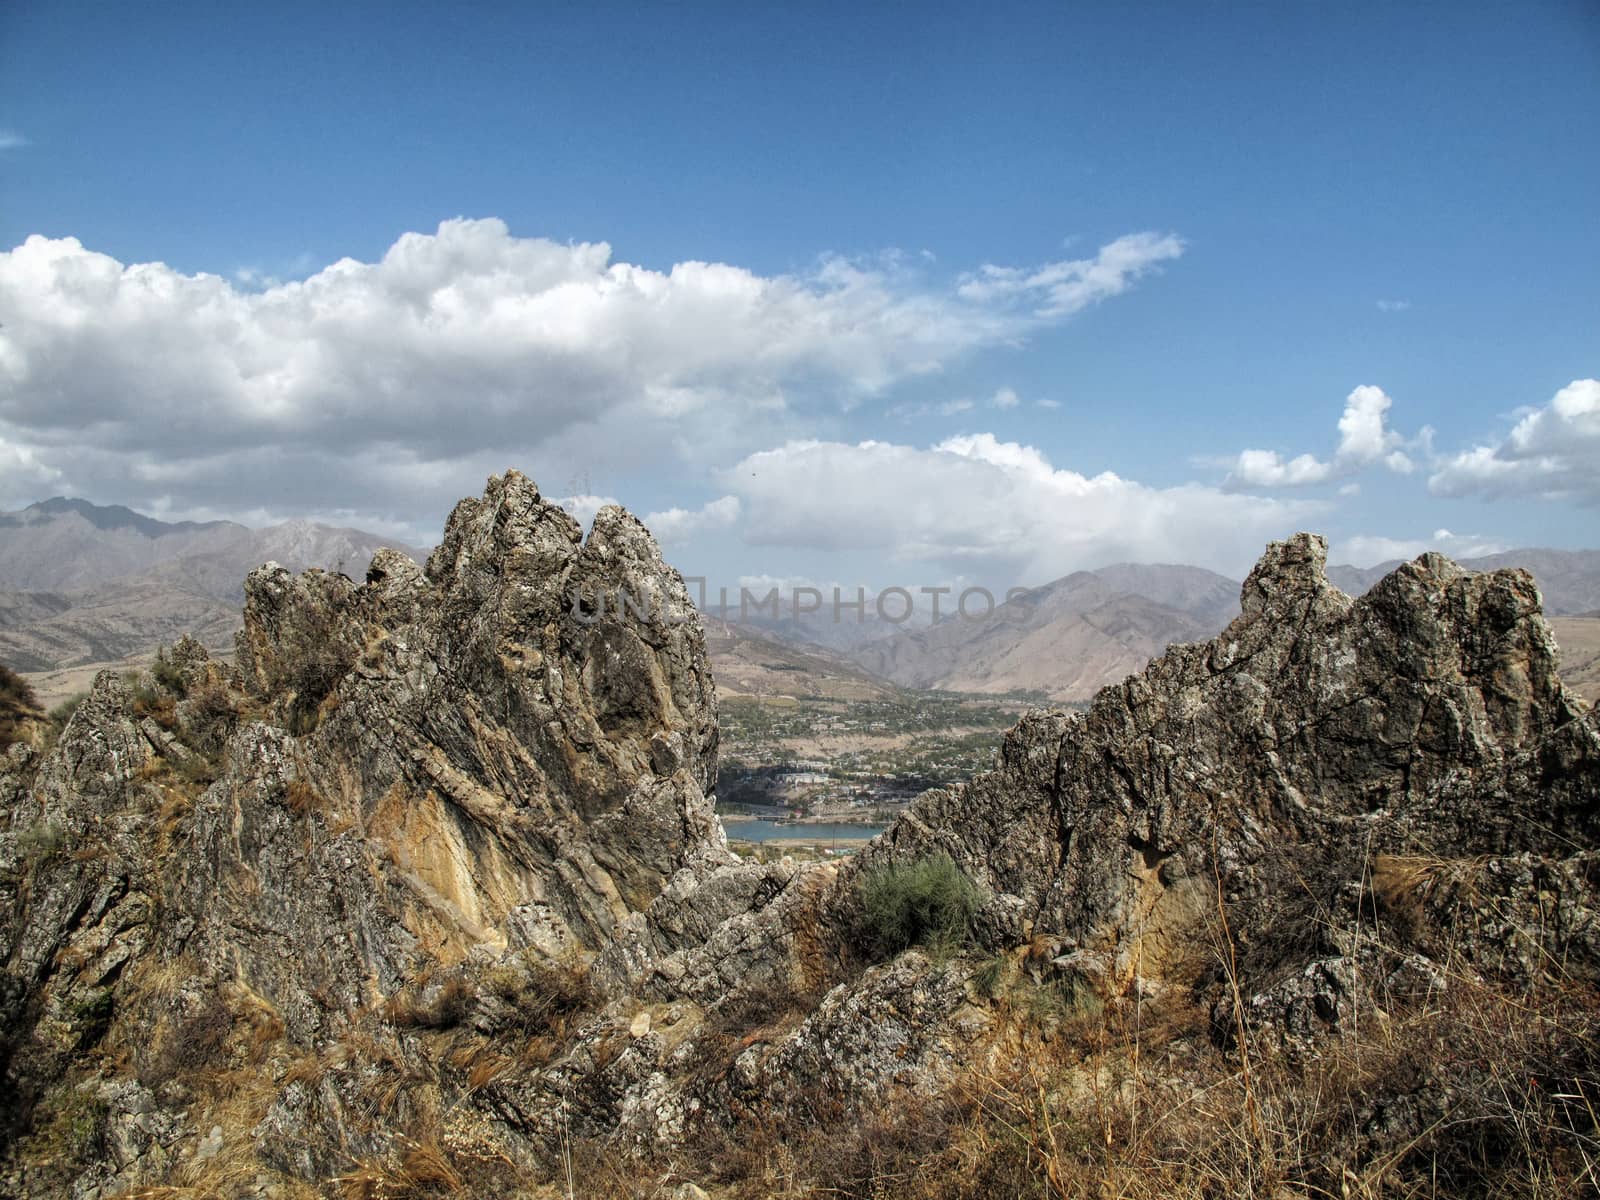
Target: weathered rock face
507 752
438 860
1267 770
502 753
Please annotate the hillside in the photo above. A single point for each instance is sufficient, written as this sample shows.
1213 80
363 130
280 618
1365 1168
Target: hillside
64 545
83 584
1307 909
747 662
1072 637
1067 639
1579 640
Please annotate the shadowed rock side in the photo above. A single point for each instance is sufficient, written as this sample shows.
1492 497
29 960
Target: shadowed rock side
436 866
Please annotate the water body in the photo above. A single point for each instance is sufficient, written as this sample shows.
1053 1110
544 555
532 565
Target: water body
754 829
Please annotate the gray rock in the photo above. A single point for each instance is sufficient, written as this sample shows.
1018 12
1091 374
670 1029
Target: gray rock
473 798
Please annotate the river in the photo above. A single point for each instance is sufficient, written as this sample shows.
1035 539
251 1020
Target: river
820 833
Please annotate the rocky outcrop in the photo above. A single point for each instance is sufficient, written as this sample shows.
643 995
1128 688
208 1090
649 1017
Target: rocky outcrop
435 865
496 754
506 752
1276 761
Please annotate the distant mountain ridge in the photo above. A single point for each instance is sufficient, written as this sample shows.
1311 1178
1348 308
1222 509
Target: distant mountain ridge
1569 580
1069 638
1066 639
83 583
108 517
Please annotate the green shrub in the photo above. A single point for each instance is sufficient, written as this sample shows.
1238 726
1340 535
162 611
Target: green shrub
928 902
168 674
62 713
39 842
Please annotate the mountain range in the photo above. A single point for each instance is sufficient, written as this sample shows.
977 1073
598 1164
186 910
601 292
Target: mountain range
84 584
1066 639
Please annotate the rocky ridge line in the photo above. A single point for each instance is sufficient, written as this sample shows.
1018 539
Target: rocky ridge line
441 823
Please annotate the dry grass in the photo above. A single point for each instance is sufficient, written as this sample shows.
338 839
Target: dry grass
301 798
424 1004
1483 1095
1469 1087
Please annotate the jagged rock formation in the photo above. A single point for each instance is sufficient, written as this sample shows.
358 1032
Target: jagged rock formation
435 867
1424 718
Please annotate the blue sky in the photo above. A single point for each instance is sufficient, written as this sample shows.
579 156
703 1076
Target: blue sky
969 262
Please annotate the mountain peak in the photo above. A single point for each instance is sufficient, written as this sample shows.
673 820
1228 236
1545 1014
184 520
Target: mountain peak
105 517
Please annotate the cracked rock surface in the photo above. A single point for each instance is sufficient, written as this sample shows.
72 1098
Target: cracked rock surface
437 856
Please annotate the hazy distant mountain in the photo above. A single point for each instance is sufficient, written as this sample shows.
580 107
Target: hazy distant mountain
1068 639
1579 639
748 662
63 545
843 635
84 583
1569 580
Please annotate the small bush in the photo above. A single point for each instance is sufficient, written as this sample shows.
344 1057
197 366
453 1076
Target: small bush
423 1005
924 903
17 704
301 798
209 717
168 674
62 713
543 999
92 1015
72 1128
157 705
40 841
198 769
192 1042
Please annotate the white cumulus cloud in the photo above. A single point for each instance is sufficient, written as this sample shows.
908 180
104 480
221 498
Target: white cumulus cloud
584 506
986 508
1364 439
677 525
1369 551
1551 451
463 350
1060 289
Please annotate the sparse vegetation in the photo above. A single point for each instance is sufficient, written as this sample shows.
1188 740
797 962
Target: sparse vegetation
151 699
324 658
17 704
928 902
70 1130
210 716
40 841
431 1004
544 998
187 1040
62 713
168 675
